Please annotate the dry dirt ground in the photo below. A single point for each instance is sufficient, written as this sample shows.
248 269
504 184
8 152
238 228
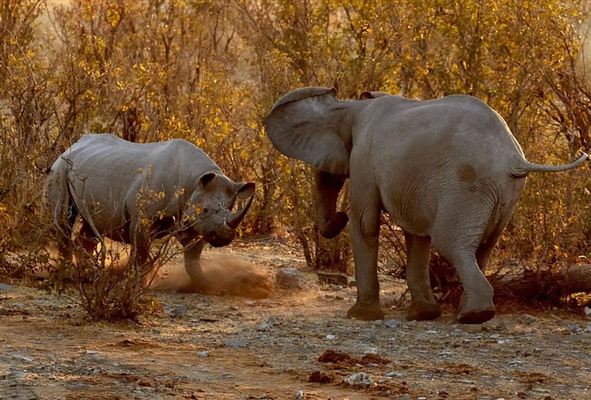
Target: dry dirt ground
297 344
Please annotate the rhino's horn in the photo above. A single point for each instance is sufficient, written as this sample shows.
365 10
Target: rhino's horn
235 218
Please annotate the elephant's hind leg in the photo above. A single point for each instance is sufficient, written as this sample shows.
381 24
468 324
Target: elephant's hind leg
458 240
423 305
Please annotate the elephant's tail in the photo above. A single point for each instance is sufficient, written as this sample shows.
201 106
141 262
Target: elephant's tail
524 167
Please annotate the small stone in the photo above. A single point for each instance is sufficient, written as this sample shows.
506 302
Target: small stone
587 311
431 332
466 381
96 371
203 354
299 395
179 311
60 336
373 365
331 337
268 302
574 328
250 303
235 343
93 355
528 319
5 287
373 338
588 329
288 278
18 374
392 323
22 358
359 379
393 374
263 326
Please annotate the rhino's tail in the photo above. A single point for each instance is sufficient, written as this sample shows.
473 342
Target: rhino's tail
58 194
524 167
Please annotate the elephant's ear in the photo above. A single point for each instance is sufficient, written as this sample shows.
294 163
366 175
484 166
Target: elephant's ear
307 124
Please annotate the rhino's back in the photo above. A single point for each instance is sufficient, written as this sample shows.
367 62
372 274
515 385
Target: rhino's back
110 153
106 174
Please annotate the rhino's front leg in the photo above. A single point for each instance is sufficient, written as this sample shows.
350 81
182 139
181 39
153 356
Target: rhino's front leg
192 253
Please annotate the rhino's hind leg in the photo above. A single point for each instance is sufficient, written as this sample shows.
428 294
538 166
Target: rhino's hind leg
65 221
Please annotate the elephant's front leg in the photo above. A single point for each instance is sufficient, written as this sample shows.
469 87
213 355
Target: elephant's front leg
364 232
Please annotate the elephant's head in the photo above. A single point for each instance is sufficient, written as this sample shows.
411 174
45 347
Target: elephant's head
309 124
212 205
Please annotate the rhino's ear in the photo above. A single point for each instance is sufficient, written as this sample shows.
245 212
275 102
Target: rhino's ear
365 96
372 95
246 190
206 179
309 124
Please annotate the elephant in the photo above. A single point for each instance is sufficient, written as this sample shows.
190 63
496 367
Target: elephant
134 192
448 172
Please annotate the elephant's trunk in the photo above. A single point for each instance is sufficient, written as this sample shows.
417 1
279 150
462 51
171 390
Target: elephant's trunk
328 186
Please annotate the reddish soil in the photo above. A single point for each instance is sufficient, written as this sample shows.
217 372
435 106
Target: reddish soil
295 343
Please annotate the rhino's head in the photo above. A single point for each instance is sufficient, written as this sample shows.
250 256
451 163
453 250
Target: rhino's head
213 207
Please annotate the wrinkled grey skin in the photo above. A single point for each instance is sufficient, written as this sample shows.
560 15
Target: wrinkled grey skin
99 179
448 171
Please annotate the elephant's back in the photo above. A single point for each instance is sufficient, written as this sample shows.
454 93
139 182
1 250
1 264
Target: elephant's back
439 152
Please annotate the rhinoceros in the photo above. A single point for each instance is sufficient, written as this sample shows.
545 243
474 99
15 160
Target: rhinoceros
133 192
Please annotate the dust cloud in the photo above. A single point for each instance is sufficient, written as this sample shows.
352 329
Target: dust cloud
224 275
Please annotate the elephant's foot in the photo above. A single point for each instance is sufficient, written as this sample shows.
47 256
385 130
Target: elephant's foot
475 310
421 311
366 311
477 316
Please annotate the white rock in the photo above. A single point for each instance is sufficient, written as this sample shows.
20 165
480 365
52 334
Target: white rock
392 323
359 379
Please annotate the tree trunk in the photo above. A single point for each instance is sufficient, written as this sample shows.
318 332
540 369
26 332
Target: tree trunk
552 284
